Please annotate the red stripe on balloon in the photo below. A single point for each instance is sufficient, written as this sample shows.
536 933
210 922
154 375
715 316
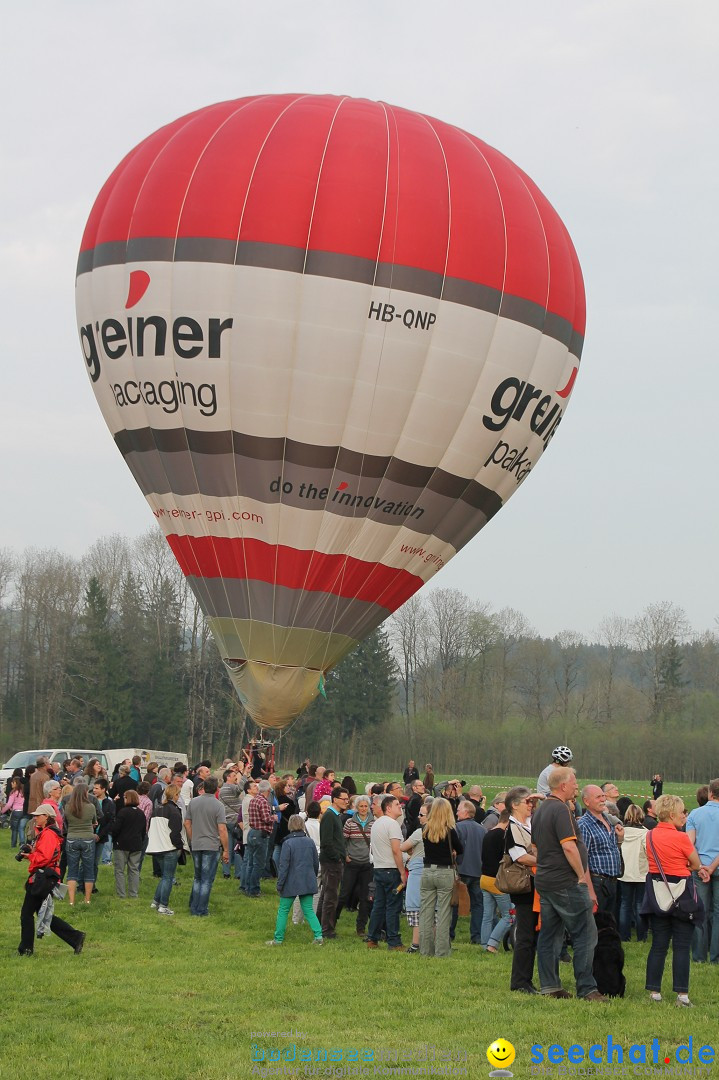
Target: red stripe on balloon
312 571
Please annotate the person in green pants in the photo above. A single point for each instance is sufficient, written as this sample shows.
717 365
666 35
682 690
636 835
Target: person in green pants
297 877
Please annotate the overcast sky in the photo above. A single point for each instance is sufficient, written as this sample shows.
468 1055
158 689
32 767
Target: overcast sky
609 106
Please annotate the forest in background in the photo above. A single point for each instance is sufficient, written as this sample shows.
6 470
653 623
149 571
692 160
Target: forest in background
112 650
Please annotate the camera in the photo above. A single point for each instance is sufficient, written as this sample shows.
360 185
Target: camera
24 850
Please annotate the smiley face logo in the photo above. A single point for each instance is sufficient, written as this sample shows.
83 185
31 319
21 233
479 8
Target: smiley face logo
500 1054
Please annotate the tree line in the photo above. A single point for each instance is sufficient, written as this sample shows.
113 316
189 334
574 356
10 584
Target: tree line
112 649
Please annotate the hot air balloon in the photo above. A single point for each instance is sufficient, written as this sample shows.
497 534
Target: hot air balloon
330 338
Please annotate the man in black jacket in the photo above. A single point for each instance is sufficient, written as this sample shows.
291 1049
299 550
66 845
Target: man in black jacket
333 853
410 773
413 807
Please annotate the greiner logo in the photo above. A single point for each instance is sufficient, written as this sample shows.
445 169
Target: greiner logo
147 335
510 401
144 336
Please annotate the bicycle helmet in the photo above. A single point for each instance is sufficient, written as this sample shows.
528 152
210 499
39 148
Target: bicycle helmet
562 755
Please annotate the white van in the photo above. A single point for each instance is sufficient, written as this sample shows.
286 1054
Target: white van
162 757
23 758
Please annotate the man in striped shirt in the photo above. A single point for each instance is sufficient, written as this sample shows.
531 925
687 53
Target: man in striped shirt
602 840
261 821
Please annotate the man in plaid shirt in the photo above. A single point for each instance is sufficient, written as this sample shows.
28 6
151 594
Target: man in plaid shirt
602 841
262 822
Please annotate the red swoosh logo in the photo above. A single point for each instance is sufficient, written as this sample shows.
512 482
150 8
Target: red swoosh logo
568 388
139 281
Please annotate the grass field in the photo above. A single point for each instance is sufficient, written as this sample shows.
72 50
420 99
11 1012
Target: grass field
186 997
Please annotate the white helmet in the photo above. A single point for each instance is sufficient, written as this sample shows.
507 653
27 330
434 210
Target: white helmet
562 755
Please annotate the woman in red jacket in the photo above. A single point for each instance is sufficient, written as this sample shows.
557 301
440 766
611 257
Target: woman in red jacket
42 878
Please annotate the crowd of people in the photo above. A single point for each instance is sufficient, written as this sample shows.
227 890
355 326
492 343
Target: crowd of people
67 817
548 870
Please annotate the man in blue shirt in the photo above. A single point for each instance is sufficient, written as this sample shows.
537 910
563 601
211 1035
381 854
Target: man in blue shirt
602 840
703 831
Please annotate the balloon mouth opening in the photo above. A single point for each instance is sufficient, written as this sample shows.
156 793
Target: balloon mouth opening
273 694
238 664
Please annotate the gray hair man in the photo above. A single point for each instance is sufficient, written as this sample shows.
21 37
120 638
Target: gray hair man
469 865
565 888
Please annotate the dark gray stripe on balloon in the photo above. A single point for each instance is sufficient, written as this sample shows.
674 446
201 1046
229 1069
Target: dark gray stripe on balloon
332 264
424 511
344 464
440 504
280 606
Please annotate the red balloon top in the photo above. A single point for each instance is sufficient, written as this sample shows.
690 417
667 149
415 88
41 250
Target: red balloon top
377 186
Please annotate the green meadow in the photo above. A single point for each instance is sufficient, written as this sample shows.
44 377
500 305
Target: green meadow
185 997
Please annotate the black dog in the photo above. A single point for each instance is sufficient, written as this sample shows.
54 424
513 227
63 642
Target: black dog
608 967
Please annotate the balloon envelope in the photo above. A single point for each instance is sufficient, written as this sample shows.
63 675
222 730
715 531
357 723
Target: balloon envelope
330 337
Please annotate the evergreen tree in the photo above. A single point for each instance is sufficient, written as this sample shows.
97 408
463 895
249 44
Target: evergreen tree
97 694
672 684
359 695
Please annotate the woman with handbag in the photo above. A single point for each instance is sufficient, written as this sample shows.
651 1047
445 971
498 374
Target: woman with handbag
442 845
166 841
670 898
493 931
519 858
43 876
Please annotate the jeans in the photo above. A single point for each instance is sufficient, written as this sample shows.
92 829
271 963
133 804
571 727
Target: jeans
606 891
307 910
571 909
168 862
81 860
386 908
476 909
255 857
131 861
632 894
228 866
435 891
269 870
18 822
237 865
706 937
666 928
493 933
205 870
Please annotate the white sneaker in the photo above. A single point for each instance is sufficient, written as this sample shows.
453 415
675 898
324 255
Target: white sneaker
154 904
164 910
683 1002
655 997
274 942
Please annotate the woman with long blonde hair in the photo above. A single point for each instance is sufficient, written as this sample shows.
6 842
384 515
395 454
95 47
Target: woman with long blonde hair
441 847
